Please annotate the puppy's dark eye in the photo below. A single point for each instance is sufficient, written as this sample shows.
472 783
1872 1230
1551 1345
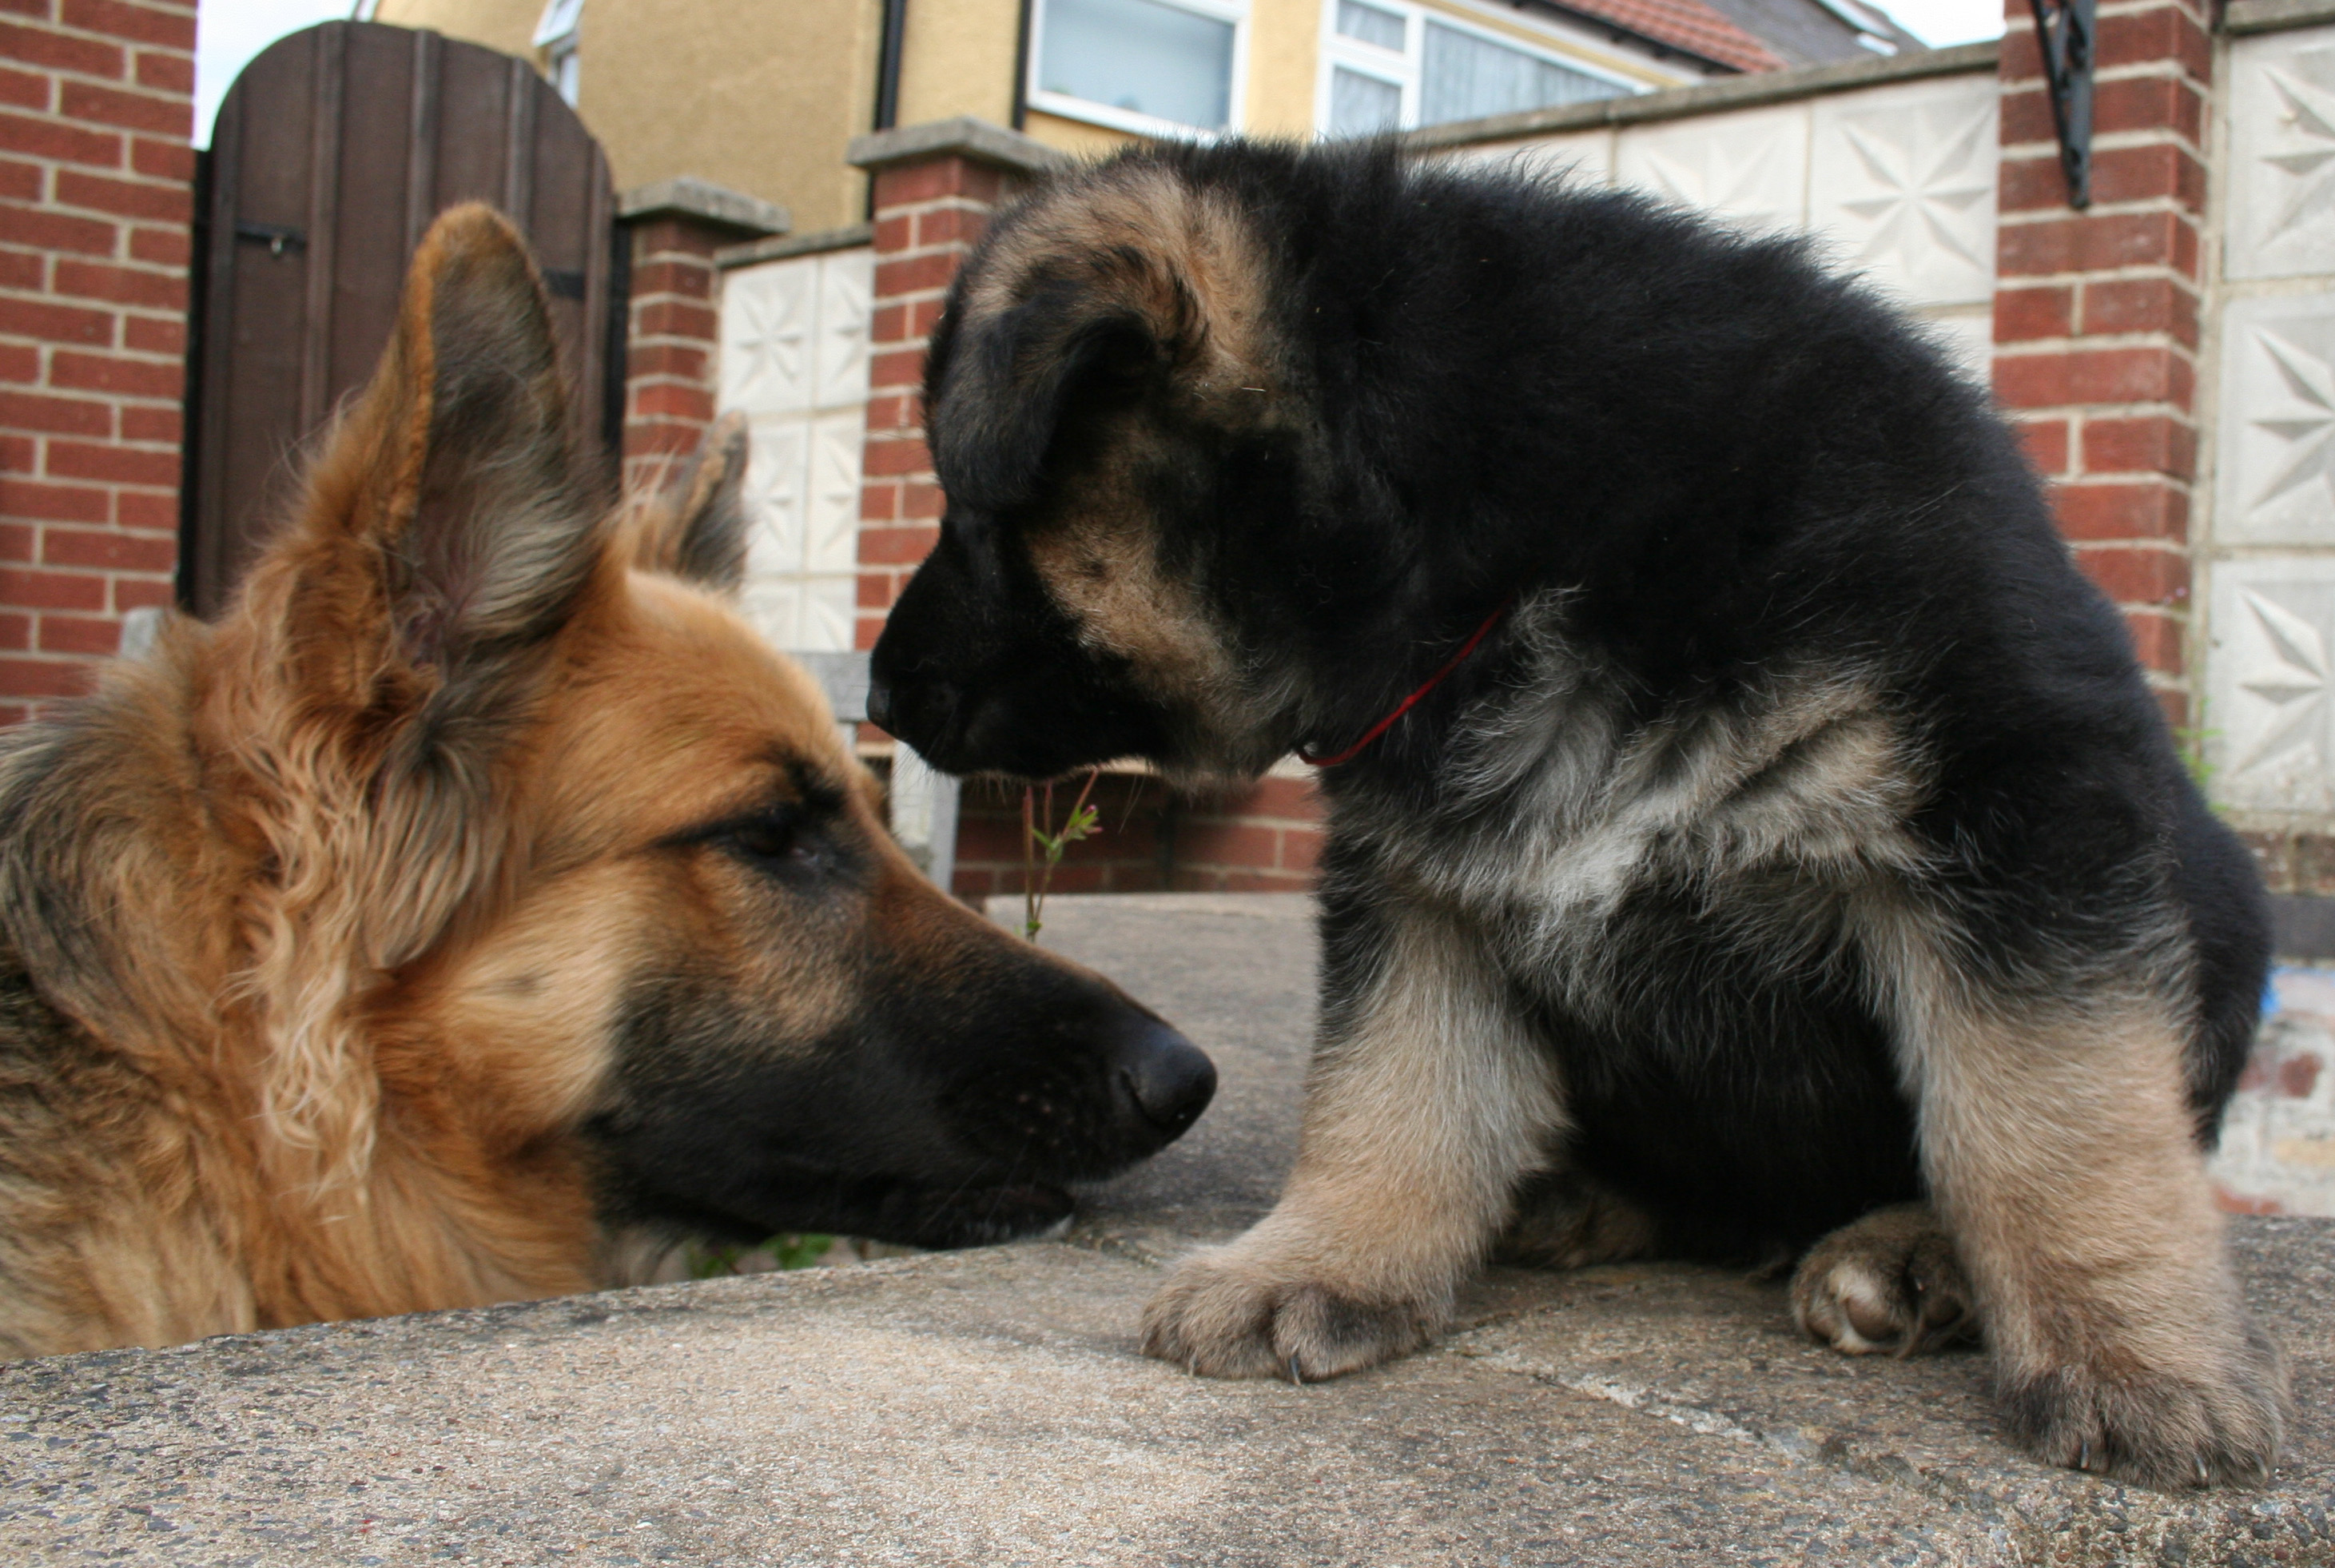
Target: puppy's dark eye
772 840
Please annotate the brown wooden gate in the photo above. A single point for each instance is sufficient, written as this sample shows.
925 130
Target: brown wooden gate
332 152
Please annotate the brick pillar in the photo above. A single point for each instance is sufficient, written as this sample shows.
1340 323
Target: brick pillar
96 200
674 329
2096 313
935 187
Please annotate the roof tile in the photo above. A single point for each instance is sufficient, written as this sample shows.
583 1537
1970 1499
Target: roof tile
1688 24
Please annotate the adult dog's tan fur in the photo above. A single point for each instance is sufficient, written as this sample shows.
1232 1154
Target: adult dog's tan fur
321 928
278 1117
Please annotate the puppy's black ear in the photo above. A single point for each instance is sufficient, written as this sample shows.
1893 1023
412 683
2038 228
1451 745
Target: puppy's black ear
696 530
1001 380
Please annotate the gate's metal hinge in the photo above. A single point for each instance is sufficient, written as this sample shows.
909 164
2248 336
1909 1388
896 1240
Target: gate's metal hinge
2064 32
276 236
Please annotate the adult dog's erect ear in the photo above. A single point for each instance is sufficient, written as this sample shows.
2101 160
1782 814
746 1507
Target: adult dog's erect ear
448 522
501 536
695 527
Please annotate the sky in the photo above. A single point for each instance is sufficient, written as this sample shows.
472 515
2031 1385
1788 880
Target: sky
1939 23
228 33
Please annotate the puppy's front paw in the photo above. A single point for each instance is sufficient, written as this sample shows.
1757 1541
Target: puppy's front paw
1888 1282
2153 1427
1223 1314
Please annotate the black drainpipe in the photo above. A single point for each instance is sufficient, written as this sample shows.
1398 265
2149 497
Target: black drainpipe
1022 68
888 78
887 64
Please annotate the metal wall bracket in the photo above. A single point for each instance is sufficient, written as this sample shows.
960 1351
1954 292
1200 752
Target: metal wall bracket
2064 30
276 236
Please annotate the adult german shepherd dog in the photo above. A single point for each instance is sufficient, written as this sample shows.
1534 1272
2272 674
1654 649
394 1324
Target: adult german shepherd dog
1795 864
481 881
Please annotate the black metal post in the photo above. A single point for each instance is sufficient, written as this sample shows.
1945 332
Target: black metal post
2064 33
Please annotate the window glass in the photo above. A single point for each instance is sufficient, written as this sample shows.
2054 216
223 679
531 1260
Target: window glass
1465 77
560 19
1361 105
556 35
1370 24
1141 56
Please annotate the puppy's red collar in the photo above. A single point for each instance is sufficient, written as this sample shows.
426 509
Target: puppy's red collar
1383 725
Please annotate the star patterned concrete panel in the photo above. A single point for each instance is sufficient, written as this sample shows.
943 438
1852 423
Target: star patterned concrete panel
2269 729
1902 186
794 338
2281 98
1749 168
2275 477
1896 184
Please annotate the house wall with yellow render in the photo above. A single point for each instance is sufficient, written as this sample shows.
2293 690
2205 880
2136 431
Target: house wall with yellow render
757 98
763 98
504 24
1284 39
958 59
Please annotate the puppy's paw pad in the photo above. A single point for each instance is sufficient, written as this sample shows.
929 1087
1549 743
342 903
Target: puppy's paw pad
1890 1282
2153 1429
1220 1318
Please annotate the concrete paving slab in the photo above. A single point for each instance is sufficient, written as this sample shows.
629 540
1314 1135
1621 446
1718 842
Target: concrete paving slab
983 1409
989 1408
1235 971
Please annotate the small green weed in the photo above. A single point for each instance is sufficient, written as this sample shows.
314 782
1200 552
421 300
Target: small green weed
1041 838
2195 742
788 1252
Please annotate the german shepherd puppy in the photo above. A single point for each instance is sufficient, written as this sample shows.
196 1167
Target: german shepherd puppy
1790 855
479 881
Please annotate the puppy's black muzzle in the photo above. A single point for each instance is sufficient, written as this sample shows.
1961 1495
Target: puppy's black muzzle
981 671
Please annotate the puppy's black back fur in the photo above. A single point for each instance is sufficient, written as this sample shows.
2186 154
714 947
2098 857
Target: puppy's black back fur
1726 462
1801 838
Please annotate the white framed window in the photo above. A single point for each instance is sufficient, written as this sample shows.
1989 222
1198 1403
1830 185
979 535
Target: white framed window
1868 22
1154 67
557 36
1388 65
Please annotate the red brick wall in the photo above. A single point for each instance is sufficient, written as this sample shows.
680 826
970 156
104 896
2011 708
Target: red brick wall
670 345
1261 839
96 105
2096 313
927 216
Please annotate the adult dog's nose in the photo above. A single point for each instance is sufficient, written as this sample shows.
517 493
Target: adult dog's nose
1169 1080
879 703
